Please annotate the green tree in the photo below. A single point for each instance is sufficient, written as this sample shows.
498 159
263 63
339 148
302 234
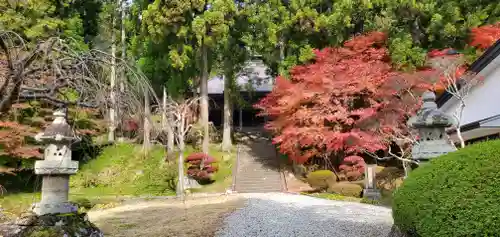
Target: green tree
230 56
180 40
416 27
285 32
40 19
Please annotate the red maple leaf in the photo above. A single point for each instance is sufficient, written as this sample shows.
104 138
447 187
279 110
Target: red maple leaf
484 37
340 102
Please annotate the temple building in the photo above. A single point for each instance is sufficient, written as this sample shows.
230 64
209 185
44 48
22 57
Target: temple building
254 82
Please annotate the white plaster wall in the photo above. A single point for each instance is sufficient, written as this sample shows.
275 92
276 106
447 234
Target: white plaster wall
484 99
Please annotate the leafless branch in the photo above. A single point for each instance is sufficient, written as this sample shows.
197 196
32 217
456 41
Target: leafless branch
458 86
53 72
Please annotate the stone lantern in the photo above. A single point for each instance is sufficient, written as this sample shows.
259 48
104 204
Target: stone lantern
431 123
54 214
56 167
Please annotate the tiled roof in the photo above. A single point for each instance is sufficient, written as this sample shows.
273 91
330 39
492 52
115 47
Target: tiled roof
254 75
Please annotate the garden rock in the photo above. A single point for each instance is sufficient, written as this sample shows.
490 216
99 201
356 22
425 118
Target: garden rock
190 183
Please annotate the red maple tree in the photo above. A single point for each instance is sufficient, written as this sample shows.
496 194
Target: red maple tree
342 102
485 36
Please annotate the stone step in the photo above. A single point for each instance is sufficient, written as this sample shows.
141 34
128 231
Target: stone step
258 190
263 164
276 183
254 170
253 177
251 186
257 168
257 175
261 183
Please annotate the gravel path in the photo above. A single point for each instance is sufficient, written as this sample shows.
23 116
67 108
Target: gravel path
281 214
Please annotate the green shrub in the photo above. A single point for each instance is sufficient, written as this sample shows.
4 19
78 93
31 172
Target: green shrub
83 203
84 124
321 179
346 189
454 195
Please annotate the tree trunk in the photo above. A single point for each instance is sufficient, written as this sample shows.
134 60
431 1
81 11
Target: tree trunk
167 123
147 125
460 138
282 57
112 81
180 182
204 99
240 118
458 117
123 75
226 135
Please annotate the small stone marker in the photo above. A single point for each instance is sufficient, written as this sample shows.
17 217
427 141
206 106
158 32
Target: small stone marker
371 191
431 124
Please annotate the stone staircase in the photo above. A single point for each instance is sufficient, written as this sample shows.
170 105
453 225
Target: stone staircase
258 170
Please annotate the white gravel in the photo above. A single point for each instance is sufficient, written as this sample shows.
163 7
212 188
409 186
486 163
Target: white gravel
289 215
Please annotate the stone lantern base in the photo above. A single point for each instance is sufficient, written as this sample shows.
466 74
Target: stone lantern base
372 194
50 225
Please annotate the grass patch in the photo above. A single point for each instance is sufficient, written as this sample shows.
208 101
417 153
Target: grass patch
14 204
338 197
123 171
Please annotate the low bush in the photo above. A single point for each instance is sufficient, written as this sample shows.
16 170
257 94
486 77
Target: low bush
346 189
321 179
201 167
454 195
352 168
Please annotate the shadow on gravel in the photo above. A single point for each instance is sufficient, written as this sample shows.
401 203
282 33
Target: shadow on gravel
169 218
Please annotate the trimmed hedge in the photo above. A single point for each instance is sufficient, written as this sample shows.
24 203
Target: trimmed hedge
457 194
321 179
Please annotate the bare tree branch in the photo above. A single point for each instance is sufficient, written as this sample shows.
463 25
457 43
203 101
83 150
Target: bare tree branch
53 69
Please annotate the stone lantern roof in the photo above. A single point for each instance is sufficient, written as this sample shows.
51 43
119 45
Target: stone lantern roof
431 124
58 131
429 116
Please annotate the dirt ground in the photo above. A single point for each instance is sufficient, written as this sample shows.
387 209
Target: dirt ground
201 217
